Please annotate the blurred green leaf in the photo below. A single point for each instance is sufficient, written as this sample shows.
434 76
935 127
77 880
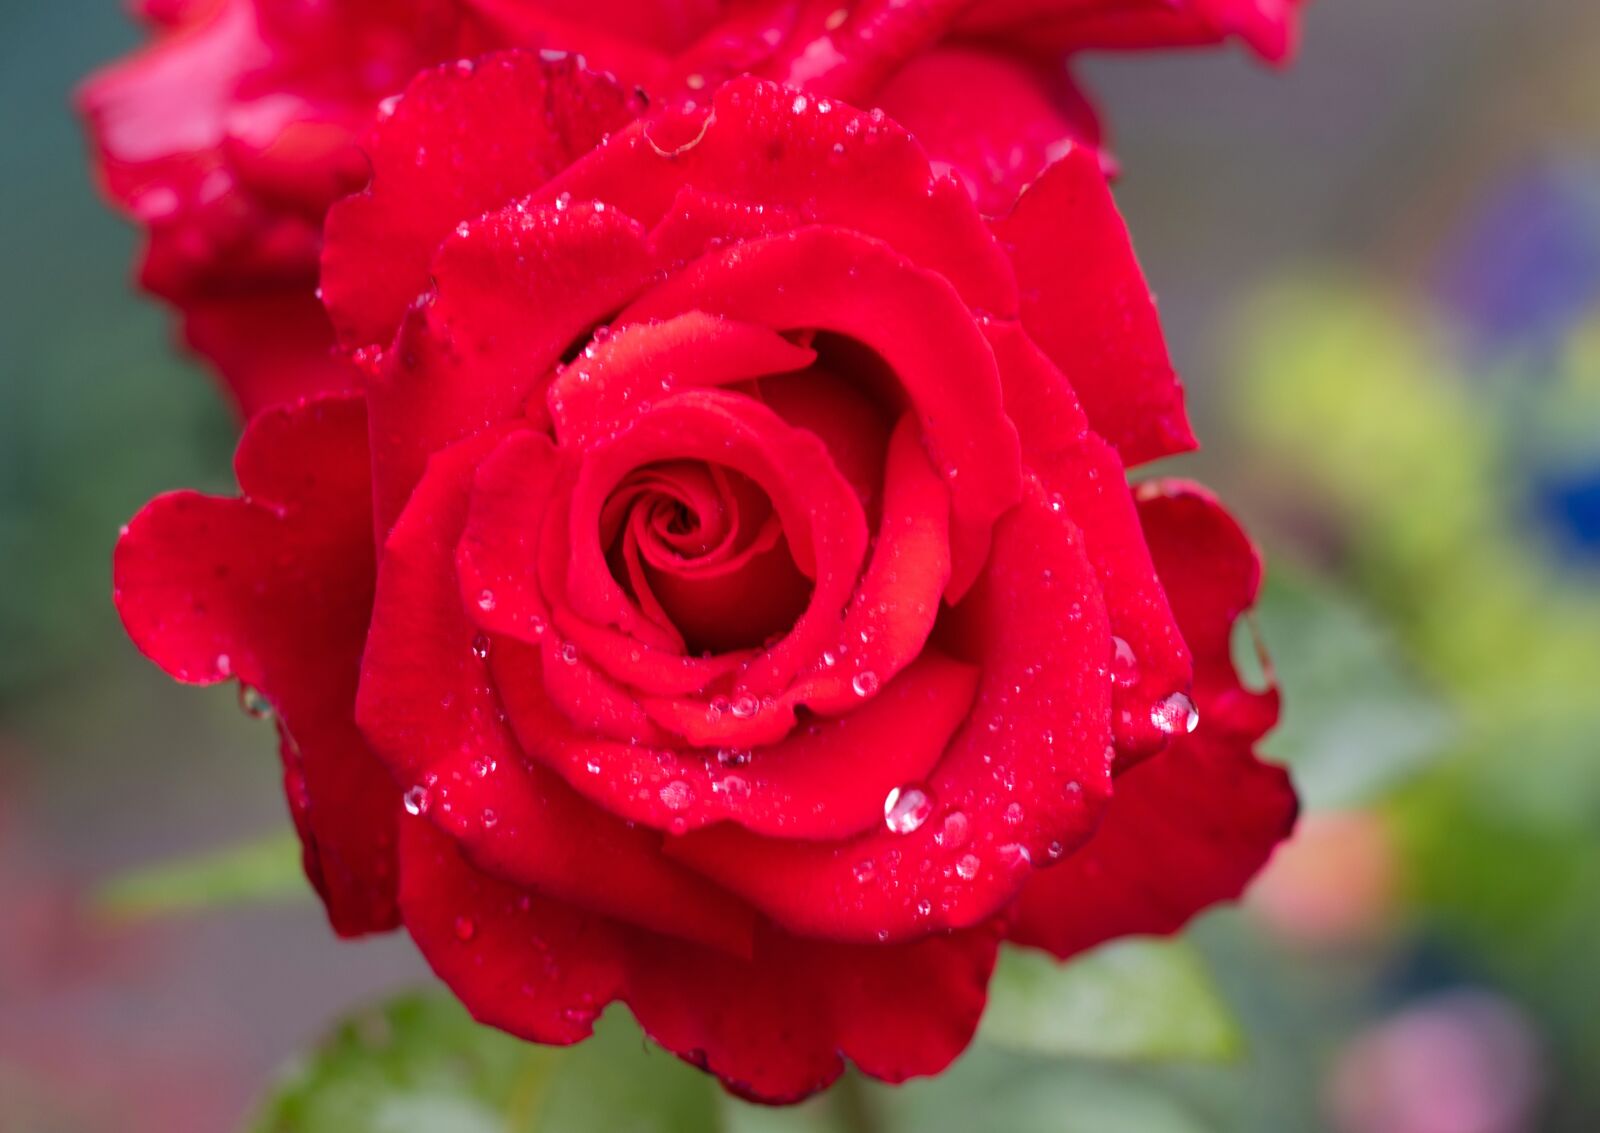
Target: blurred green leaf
1133 1000
264 870
1356 718
419 1064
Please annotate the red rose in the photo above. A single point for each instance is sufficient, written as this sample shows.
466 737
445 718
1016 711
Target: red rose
763 627
231 134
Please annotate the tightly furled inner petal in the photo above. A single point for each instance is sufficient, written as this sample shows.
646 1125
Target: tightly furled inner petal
702 552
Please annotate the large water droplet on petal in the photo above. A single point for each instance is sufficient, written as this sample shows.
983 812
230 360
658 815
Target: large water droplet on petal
1175 715
417 800
865 683
906 808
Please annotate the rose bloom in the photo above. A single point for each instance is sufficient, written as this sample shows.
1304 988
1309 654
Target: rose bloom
230 135
720 599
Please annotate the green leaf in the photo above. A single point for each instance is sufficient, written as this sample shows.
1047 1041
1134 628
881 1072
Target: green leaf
267 869
1357 720
1132 1000
419 1064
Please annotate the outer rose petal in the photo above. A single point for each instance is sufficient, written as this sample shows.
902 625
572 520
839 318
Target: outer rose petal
775 1027
270 347
538 968
275 589
1270 27
820 163
465 139
1190 827
992 120
1085 302
1087 483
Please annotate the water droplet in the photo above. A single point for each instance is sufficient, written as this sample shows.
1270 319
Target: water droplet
734 786
906 808
480 646
733 756
1054 851
465 929
967 867
592 767
1013 814
865 871
744 706
1176 714
1124 664
1073 788
253 703
568 652
490 819
924 907
486 600
955 830
1014 856
677 795
865 683
417 800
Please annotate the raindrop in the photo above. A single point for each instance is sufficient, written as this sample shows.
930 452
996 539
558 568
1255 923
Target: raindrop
733 756
1013 814
864 871
253 703
416 800
1175 714
906 808
744 706
865 683
677 795
480 646
1124 664
956 829
1014 856
568 652
967 867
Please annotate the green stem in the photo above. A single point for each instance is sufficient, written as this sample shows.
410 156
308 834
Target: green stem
853 1106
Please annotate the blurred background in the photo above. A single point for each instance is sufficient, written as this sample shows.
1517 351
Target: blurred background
1380 273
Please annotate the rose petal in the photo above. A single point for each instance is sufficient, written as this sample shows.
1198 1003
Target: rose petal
1013 117
512 294
1025 777
270 347
817 160
530 116
1086 303
274 589
1190 827
857 287
774 1027
826 780
536 967
428 706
